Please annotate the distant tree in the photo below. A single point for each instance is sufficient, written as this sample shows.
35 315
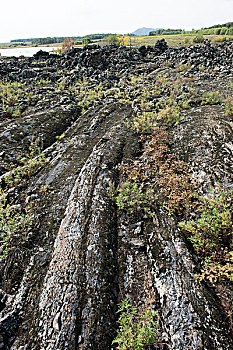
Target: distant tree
67 44
198 39
223 31
123 39
86 41
113 39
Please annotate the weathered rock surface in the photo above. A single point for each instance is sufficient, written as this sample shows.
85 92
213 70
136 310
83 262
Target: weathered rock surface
60 290
18 135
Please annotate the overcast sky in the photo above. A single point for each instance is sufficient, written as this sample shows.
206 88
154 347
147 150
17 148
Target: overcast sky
41 18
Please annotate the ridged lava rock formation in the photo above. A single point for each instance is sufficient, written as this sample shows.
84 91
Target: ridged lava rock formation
83 255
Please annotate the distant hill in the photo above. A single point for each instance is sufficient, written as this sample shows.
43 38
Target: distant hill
143 31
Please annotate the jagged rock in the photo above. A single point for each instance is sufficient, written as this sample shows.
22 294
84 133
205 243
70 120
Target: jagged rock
16 136
28 73
41 54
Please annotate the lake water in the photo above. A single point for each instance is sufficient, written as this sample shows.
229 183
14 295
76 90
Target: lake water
25 51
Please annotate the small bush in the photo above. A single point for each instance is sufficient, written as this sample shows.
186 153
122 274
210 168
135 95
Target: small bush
67 44
137 327
211 98
198 39
211 235
86 41
113 39
219 39
15 224
228 106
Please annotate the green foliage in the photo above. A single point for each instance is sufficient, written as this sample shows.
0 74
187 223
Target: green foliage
198 39
48 40
211 234
11 94
86 93
166 112
96 36
156 177
15 224
230 31
113 39
16 220
226 25
78 42
43 82
86 41
166 32
135 197
33 151
30 163
211 98
137 327
61 85
223 31
228 106
145 122
23 173
219 39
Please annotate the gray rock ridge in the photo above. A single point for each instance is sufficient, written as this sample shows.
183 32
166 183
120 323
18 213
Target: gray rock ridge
17 136
61 290
190 314
63 157
204 140
89 222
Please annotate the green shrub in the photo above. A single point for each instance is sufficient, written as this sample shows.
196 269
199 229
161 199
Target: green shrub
15 224
112 39
198 39
223 31
16 220
228 106
11 95
156 177
211 98
211 235
219 39
137 327
86 41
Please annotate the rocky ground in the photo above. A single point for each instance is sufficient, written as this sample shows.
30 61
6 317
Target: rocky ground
70 252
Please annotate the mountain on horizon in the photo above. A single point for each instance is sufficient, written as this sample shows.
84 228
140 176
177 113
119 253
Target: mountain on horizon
143 31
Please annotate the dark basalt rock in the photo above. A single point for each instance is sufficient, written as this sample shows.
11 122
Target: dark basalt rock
41 54
17 136
28 73
161 45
